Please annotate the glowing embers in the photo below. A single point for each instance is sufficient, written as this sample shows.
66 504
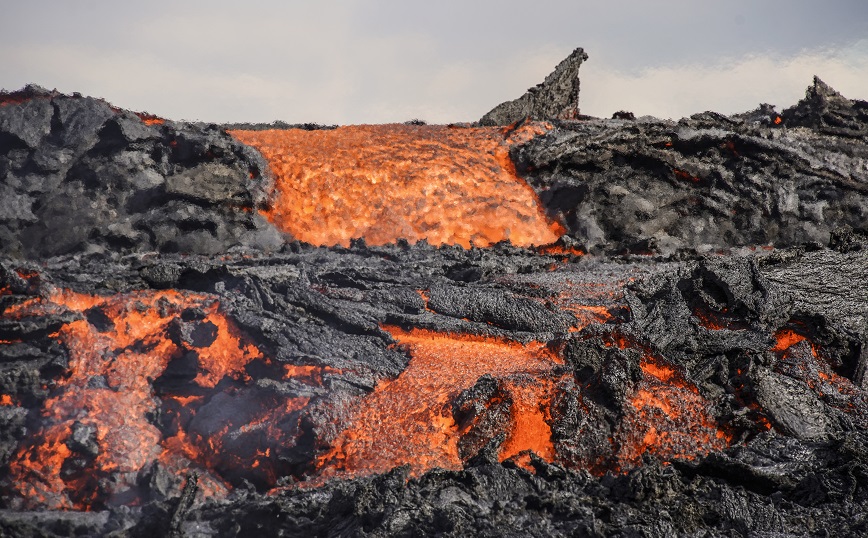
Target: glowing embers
451 186
150 119
96 431
806 361
417 419
665 415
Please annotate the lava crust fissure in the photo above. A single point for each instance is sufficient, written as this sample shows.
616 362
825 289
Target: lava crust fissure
585 327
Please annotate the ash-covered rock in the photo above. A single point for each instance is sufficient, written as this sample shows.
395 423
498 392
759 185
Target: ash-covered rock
557 97
77 175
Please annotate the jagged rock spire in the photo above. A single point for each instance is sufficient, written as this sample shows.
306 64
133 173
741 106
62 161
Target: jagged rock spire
827 111
556 97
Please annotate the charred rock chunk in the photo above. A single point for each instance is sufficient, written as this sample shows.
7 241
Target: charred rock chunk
495 307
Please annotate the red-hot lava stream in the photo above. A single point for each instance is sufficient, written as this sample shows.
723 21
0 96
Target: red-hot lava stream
120 344
108 390
449 185
409 420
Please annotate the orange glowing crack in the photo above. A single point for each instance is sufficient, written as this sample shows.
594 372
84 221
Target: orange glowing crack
669 419
450 186
685 176
408 420
559 250
150 119
808 364
131 350
666 415
786 338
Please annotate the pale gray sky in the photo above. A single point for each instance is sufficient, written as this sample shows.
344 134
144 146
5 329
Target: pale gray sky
376 61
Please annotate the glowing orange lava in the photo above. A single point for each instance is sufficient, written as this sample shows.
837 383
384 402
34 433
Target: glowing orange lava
667 417
786 338
531 415
804 360
450 186
108 390
150 119
409 420
559 250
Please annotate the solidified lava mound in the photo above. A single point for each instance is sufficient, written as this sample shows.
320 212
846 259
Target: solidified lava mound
628 327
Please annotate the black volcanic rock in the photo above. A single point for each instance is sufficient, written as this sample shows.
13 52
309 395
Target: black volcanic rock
827 111
557 97
709 292
77 175
706 182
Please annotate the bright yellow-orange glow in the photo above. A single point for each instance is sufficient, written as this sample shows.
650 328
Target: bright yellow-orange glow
451 186
531 414
150 119
786 338
408 420
109 386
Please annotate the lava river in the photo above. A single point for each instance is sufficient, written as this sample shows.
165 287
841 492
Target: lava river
447 185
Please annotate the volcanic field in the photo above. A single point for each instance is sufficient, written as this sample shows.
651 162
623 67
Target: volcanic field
537 324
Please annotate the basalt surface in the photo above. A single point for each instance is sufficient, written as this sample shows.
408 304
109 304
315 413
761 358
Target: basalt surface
629 328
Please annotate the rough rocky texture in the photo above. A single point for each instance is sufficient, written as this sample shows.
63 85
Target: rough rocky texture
708 181
555 98
77 175
714 319
716 387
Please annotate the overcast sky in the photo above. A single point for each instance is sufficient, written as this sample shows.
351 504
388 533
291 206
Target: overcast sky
377 61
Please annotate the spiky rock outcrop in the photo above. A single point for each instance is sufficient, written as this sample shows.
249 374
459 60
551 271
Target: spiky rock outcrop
557 96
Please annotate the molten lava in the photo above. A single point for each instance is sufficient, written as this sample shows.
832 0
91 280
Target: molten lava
450 186
804 360
409 420
96 420
665 415
148 119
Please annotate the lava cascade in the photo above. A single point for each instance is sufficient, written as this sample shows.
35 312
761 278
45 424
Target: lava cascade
447 185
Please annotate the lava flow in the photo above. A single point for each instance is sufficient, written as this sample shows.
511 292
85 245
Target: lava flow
448 185
665 415
97 421
411 420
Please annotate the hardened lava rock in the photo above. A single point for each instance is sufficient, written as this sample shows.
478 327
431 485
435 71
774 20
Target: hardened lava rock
78 175
708 181
557 97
